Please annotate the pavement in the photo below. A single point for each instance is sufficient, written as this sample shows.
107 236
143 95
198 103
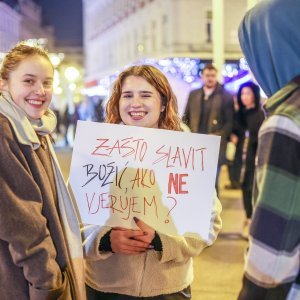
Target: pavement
219 268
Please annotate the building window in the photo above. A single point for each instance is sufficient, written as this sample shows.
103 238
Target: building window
208 26
153 36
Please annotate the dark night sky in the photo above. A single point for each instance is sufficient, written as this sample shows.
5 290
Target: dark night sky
66 17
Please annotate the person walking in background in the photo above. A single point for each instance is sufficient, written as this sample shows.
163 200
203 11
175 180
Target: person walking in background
270 38
250 118
70 118
235 160
209 110
37 219
55 107
142 264
99 111
67 121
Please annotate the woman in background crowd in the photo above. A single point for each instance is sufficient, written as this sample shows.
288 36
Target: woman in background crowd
250 117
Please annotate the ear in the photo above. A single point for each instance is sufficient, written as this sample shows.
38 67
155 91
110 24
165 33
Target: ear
3 85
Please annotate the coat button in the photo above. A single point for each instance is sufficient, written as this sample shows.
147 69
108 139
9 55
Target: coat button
44 144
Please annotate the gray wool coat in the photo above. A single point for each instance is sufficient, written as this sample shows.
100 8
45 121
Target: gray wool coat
33 253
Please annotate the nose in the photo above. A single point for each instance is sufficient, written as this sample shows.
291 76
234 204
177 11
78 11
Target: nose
40 90
136 101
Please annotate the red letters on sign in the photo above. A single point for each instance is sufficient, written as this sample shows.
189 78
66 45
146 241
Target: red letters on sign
176 181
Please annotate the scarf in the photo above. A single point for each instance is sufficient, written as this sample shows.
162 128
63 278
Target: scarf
27 131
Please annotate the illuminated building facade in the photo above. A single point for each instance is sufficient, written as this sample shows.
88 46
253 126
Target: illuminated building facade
31 24
177 36
22 20
9 25
117 33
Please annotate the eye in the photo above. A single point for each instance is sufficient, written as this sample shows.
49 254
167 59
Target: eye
29 81
127 95
146 95
48 84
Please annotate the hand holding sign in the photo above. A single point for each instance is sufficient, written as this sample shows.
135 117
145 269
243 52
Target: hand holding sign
148 232
127 241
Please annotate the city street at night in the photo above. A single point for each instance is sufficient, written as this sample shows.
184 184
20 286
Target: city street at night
178 113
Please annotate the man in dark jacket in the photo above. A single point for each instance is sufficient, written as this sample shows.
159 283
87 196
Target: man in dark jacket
209 110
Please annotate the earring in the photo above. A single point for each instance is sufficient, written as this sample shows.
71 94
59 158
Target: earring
162 108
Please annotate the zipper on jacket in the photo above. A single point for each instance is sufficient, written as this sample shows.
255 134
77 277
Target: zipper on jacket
143 273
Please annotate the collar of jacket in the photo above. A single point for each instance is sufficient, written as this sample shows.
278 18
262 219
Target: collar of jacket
279 97
217 89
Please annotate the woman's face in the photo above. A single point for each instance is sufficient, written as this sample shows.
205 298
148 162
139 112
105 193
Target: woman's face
248 98
30 85
140 103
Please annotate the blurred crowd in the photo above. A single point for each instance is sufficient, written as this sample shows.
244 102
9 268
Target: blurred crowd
237 119
90 109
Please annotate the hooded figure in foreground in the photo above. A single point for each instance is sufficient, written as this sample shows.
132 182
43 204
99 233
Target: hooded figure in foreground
270 38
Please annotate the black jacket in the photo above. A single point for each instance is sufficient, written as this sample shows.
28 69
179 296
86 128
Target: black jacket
220 117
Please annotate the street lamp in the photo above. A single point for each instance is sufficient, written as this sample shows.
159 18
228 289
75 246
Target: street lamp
56 58
71 73
72 79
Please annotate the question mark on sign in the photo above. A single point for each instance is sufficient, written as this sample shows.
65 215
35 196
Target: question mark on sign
167 220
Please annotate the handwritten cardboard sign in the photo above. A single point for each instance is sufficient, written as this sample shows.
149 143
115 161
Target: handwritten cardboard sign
165 178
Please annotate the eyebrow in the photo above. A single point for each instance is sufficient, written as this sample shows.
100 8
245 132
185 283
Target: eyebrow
148 92
34 76
144 92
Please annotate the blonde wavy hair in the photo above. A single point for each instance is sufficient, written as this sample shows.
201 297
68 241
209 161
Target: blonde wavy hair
17 54
168 119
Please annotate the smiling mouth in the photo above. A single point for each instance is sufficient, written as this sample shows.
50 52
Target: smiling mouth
35 102
137 114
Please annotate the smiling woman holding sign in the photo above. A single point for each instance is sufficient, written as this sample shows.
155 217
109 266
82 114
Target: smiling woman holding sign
131 264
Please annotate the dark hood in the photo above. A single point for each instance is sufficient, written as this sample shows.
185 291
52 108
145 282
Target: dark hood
269 36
